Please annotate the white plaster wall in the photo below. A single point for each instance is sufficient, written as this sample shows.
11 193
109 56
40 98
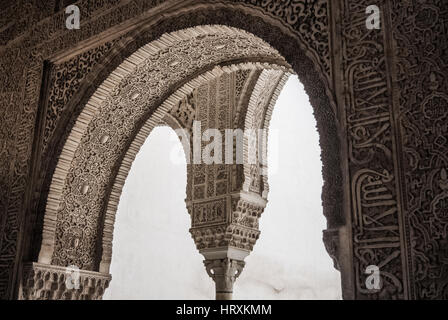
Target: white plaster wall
154 256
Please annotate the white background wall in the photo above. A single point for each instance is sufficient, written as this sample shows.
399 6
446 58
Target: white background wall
154 256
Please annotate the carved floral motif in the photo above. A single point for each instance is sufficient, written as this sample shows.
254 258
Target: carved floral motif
118 117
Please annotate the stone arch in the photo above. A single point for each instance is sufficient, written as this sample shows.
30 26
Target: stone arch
307 50
314 72
162 113
322 40
97 128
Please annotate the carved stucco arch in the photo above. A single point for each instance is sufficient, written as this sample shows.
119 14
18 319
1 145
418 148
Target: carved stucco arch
163 114
307 50
320 40
302 36
258 116
76 181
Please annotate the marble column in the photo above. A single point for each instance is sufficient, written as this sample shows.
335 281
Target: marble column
224 266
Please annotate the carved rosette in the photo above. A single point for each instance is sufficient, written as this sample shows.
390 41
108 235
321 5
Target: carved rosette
48 282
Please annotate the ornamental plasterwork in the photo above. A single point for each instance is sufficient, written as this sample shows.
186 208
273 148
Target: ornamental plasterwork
178 111
220 216
404 61
258 116
38 34
111 118
47 282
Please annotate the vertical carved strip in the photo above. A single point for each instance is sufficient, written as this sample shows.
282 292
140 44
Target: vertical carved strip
376 224
419 32
20 147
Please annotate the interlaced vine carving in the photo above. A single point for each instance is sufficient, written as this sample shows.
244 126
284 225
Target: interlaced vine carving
309 19
406 116
420 34
65 80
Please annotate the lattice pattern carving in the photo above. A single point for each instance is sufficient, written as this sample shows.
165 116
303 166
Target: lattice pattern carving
409 61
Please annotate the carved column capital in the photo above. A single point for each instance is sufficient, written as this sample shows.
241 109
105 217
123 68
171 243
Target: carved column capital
230 221
48 282
224 272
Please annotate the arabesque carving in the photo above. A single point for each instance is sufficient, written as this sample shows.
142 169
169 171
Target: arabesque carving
420 74
380 100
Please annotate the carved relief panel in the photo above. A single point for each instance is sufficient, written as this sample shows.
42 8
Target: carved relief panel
419 38
376 215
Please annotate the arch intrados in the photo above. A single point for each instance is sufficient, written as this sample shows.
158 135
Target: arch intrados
258 115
